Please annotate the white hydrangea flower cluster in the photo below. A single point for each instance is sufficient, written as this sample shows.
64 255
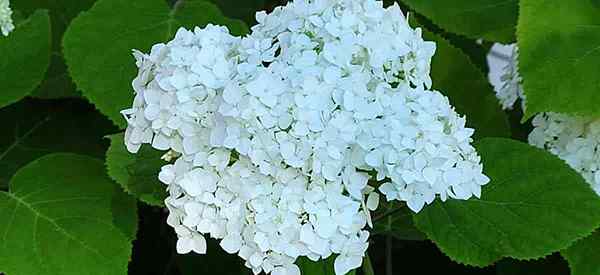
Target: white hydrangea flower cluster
277 134
508 84
6 23
576 140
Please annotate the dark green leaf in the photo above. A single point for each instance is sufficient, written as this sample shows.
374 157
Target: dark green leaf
35 128
399 224
470 93
57 219
321 267
24 57
138 24
492 20
559 43
584 256
136 173
534 205
57 82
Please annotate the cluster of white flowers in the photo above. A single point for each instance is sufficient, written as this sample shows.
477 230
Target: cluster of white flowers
6 23
278 134
576 140
504 75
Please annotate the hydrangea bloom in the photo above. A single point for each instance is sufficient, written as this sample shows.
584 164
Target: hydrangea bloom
576 140
503 61
6 23
573 139
277 134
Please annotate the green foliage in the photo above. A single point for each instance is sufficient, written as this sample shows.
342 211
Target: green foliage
57 219
136 173
24 57
584 255
138 24
491 20
559 43
534 205
57 82
398 223
469 92
36 128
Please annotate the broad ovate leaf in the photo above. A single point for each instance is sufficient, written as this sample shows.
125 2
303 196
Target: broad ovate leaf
136 173
116 27
57 218
584 256
491 20
533 206
24 57
559 56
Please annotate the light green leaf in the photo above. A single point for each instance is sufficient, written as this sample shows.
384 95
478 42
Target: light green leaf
24 57
534 205
116 26
57 219
584 256
398 224
136 173
57 82
33 128
492 20
560 60
469 92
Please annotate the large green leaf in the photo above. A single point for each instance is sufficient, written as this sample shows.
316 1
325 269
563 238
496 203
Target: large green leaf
584 256
24 57
57 82
136 173
492 20
470 93
534 205
33 128
57 219
559 44
115 26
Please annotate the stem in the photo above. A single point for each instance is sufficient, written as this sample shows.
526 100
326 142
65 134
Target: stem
388 255
389 212
367 267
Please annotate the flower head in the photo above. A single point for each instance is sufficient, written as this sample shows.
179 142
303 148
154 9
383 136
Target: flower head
6 23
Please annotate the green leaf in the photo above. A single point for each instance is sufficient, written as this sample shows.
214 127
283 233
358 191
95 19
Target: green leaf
492 20
469 92
33 128
560 60
124 210
321 267
57 219
136 173
534 205
57 82
398 224
24 57
584 256
105 76
243 10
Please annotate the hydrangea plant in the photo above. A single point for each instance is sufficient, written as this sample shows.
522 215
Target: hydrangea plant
301 137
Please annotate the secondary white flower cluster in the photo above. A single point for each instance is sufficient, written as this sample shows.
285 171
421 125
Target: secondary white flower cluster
278 134
504 62
6 23
576 140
